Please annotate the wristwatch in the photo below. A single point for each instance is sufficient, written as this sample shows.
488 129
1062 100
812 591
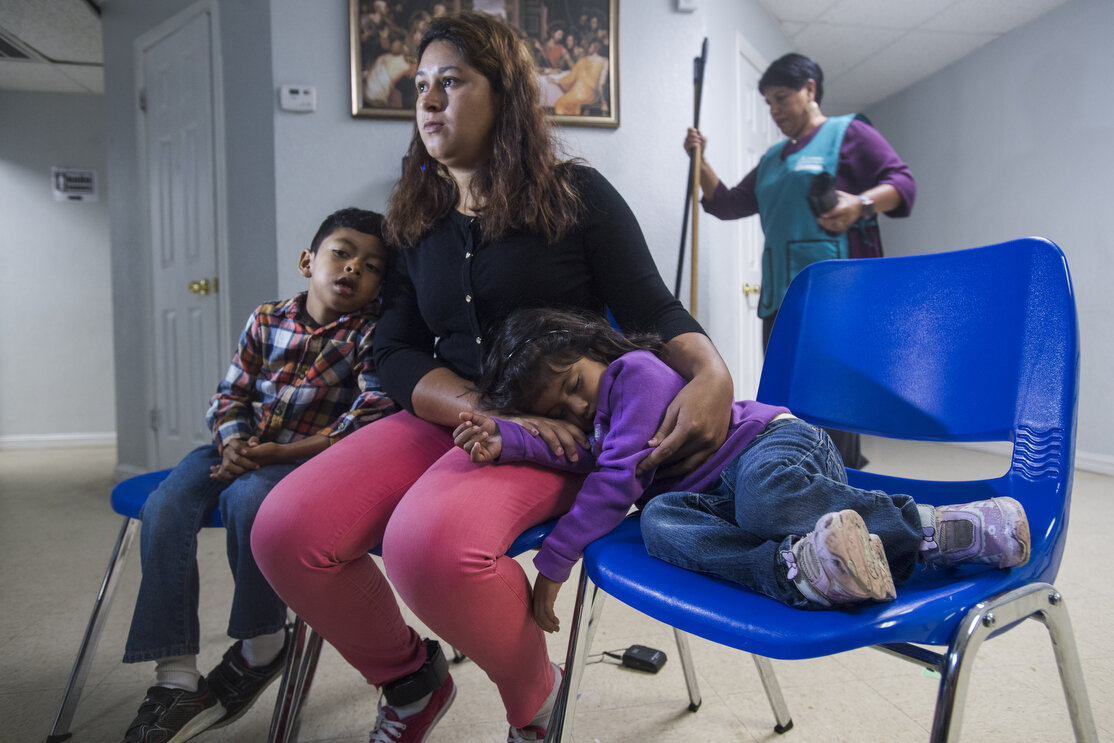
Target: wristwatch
868 206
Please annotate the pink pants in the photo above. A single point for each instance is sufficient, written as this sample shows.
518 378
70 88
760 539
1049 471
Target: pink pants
445 525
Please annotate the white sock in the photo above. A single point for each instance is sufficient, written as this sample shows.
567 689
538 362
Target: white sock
541 719
262 651
413 708
178 672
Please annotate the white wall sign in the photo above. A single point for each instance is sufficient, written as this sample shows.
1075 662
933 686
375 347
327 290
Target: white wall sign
73 184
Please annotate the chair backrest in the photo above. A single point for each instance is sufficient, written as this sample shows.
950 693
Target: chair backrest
969 345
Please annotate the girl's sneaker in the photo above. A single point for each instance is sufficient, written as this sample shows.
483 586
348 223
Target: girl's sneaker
991 532
840 562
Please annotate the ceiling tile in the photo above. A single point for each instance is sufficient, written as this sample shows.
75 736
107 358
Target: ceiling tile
990 16
38 76
884 13
89 78
838 48
792 28
797 10
916 56
61 30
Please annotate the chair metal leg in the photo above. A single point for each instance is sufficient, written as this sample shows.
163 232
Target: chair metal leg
773 693
60 730
1040 601
297 677
1055 618
685 656
589 605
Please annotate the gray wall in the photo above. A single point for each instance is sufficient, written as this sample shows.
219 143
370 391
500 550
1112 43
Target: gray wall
987 138
56 379
1015 140
328 159
245 61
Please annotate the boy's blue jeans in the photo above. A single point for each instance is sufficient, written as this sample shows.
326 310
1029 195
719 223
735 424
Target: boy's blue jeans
769 496
165 622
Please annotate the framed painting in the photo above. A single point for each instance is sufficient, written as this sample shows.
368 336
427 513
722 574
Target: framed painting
574 43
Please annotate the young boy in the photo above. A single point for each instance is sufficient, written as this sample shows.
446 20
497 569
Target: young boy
301 378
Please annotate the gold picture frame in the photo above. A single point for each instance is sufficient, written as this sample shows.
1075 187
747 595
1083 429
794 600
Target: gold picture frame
578 77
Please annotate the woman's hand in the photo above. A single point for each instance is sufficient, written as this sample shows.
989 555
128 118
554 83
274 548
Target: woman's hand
560 436
694 138
693 429
847 211
696 421
545 595
478 435
709 181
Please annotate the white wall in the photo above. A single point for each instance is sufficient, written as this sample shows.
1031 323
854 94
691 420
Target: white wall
1016 140
56 370
244 57
327 159
971 133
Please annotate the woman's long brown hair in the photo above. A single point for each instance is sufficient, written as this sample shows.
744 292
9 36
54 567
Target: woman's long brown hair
522 185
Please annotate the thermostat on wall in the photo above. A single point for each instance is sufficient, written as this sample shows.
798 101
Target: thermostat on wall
298 98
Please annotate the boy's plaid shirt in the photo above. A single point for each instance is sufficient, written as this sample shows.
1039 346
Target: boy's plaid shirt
289 379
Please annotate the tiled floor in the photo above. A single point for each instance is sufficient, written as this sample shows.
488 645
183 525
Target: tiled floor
56 532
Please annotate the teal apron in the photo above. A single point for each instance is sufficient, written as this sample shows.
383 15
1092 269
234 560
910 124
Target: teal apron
793 239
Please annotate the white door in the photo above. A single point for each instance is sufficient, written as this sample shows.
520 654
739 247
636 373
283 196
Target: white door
177 95
757 132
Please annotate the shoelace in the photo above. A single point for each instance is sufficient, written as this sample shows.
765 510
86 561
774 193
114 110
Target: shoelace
386 730
791 564
929 539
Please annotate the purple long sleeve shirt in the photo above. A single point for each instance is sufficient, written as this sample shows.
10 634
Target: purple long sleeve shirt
634 392
866 160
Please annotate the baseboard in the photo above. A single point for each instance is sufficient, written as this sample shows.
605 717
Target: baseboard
1102 464
57 441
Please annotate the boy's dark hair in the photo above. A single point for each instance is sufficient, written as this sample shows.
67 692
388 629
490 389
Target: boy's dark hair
533 344
360 220
793 71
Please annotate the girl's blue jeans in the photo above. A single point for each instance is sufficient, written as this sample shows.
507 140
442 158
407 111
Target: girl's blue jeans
165 621
769 496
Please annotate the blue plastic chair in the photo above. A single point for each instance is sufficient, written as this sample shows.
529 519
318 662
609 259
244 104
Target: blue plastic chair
128 497
971 345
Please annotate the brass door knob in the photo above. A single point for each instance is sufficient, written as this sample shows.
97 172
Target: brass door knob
199 287
752 289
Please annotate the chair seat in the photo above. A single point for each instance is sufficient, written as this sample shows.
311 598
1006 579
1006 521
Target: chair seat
724 612
128 496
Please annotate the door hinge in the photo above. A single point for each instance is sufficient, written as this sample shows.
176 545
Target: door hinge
143 100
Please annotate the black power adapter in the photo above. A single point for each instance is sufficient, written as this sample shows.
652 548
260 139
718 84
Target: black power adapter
642 658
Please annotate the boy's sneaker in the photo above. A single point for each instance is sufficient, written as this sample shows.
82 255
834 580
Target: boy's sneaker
237 685
840 562
389 728
992 532
174 715
526 734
